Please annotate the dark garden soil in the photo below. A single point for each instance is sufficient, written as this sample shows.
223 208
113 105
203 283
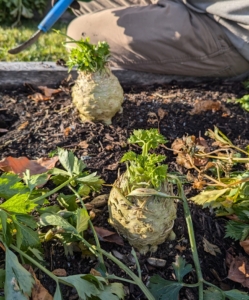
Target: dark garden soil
37 128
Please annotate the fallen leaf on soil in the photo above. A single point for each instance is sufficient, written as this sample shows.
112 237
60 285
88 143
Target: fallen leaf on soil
161 113
238 269
83 144
152 115
38 292
105 235
199 184
48 163
92 215
204 105
245 245
210 248
39 97
23 126
95 273
186 147
180 248
109 147
112 167
100 200
49 92
60 272
21 164
67 131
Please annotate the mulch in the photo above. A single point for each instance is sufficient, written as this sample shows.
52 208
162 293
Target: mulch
34 129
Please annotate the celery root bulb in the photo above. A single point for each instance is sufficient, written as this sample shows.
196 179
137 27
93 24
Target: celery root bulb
98 96
145 222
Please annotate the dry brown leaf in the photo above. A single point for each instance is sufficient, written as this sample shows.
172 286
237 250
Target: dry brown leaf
180 248
109 147
21 164
161 113
48 163
60 272
245 245
152 115
92 215
238 269
38 291
49 92
210 248
112 167
95 273
199 184
83 144
205 105
23 126
105 235
186 149
39 97
67 131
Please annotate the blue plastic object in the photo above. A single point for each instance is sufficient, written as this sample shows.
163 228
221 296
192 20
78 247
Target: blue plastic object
54 14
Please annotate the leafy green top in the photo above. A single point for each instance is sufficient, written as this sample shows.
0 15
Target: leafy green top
145 169
88 57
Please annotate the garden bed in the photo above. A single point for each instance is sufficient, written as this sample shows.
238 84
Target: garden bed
36 128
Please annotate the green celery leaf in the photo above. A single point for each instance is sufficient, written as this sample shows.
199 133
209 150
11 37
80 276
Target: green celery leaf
67 160
236 295
180 268
213 294
57 294
10 185
2 278
68 201
237 230
151 137
27 220
129 156
86 285
48 209
70 162
206 197
19 203
59 175
26 237
18 281
34 180
6 230
91 178
56 220
113 291
163 289
36 253
82 220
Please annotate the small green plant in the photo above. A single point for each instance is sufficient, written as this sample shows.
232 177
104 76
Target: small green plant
87 57
244 102
145 170
13 11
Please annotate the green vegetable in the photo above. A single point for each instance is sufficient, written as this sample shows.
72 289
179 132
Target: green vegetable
137 207
88 57
145 169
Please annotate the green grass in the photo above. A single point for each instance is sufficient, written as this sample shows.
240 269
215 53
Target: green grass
49 46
